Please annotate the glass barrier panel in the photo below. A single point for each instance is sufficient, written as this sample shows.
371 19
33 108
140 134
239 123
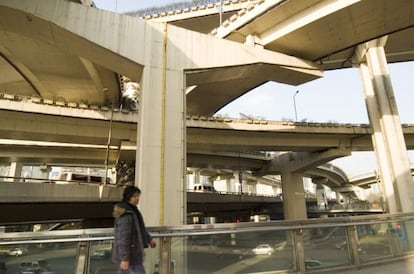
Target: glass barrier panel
152 259
100 261
243 252
326 247
100 258
45 258
409 231
373 241
398 237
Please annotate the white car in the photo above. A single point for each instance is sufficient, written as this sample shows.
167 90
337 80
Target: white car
100 254
263 249
15 252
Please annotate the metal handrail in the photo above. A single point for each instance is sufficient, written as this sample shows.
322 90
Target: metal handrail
96 234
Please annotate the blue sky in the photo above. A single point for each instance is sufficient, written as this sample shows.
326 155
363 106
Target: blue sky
131 5
337 97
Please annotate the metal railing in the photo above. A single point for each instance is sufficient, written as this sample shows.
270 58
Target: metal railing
301 246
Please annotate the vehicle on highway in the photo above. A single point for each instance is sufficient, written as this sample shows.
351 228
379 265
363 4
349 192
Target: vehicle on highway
35 267
70 177
311 264
263 249
204 188
100 254
15 251
344 245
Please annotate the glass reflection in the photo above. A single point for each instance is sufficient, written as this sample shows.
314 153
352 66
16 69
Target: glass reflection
38 258
325 247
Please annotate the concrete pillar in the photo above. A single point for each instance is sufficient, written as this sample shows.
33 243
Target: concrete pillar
238 180
276 190
229 185
197 178
160 153
15 171
321 199
338 197
294 204
252 187
387 137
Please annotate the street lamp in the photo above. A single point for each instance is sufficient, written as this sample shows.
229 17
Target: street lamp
109 135
294 105
220 8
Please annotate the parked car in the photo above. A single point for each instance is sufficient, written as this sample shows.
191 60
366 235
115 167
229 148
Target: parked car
263 249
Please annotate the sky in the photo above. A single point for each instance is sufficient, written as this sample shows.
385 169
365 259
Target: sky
337 97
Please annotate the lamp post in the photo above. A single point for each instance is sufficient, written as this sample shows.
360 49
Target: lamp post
294 105
220 8
109 136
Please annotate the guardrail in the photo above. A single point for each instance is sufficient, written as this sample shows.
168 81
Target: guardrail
303 246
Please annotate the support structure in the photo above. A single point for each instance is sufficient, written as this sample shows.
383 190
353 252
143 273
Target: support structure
161 133
387 137
294 204
16 171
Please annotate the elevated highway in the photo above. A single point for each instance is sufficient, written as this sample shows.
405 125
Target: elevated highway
22 119
244 22
61 57
35 132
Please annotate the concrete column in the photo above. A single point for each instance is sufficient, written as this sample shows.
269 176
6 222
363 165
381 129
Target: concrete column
252 187
321 199
276 190
294 204
338 197
387 137
160 161
197 179
229 185
15 171
238 180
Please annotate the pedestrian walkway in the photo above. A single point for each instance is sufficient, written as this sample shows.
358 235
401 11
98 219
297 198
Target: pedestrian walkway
401 267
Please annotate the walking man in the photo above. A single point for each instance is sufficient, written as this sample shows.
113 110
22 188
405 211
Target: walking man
131 236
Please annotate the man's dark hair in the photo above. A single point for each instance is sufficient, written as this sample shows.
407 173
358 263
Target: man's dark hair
129 192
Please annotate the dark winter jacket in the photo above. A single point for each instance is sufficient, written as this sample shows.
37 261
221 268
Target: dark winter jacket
131 236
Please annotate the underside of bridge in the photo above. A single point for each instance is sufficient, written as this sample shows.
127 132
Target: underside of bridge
65 72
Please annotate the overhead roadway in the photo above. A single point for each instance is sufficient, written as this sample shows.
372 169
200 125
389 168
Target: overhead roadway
30 121
325 37
326 31
37 133
341 25
322 31
88 71
298 27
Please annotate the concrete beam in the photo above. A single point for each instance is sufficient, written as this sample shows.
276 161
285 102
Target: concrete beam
249 14
76 25
301 161
303 18
361 50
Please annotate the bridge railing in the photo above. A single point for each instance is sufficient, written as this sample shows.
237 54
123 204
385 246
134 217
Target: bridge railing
357 207
301 246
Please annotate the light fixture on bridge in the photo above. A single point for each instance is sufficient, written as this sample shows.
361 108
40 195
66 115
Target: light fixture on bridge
294 105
